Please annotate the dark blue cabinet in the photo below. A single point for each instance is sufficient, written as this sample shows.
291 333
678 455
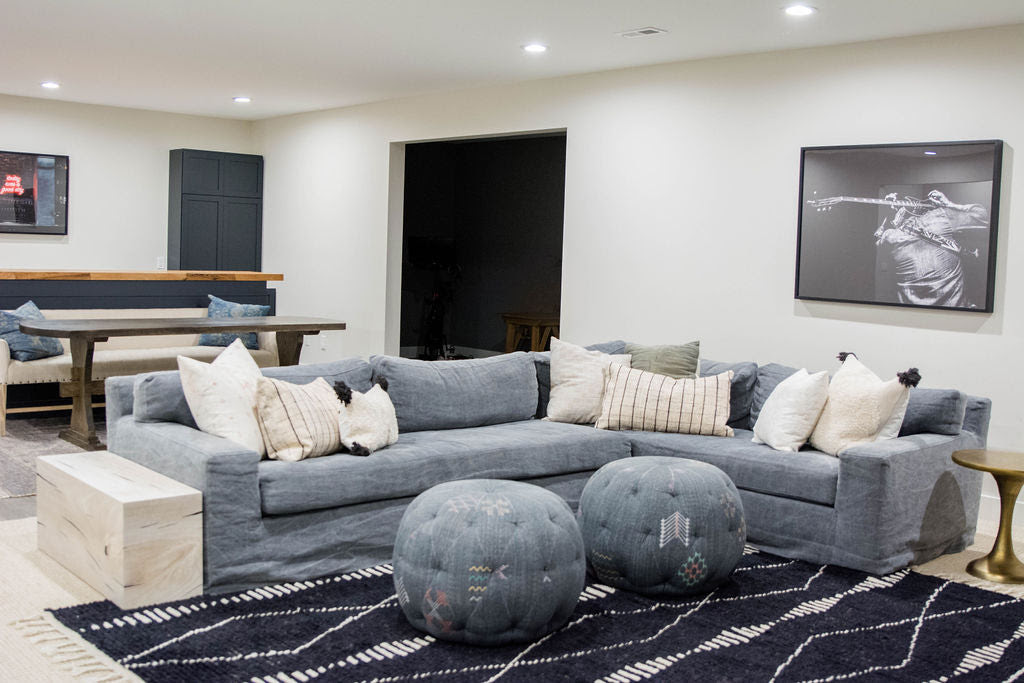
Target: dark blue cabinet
215 211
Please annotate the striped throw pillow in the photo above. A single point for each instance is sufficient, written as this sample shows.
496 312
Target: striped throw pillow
637 399
298 421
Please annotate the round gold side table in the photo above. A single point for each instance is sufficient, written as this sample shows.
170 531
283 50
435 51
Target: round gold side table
1001 564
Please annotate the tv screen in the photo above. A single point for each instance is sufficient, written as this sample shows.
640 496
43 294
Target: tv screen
33 193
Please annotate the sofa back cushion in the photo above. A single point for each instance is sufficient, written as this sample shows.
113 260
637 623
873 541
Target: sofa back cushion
158 396
449 394
934 411
744 375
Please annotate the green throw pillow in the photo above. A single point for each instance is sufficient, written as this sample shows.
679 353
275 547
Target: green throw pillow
676 361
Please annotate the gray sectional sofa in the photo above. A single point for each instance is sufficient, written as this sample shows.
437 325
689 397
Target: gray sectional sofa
876 507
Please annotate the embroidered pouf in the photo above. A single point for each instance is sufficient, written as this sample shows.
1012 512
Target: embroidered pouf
488 562
662 526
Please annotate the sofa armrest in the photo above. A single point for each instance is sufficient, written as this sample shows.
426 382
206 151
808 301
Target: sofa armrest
904 500
976 419
214 465
5 360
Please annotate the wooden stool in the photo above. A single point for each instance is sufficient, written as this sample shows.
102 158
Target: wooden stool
540 327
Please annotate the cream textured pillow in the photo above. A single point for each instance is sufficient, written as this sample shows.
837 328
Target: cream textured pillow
298 421
367 420
637 399
861 408
792 409
577 382
222 395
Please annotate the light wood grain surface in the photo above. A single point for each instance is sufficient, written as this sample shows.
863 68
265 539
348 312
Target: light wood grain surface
179 275
134 535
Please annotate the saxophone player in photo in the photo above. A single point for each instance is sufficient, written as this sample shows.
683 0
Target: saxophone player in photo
920 242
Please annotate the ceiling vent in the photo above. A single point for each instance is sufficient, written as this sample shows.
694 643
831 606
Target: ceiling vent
642 32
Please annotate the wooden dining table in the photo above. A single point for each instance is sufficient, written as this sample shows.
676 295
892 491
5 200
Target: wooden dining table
83 335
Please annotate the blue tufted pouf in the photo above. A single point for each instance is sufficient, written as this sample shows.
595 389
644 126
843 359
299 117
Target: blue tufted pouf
488 562
662 526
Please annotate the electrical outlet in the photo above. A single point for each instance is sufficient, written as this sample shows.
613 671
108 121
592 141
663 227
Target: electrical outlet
323 341
161 263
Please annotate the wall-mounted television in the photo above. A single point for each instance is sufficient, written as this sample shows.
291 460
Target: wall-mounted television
33 193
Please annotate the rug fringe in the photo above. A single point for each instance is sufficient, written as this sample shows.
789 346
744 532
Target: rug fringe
69 653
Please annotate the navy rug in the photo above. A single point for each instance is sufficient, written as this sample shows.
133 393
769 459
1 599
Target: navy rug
774 620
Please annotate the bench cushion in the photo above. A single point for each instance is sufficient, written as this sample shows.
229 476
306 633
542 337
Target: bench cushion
419 460
452 394
806 475
115 362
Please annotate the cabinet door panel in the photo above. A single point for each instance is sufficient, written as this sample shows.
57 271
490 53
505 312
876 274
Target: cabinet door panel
199 219
242 176
240 235
201 173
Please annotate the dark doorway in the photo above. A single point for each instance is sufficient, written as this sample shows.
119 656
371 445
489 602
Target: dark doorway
482 236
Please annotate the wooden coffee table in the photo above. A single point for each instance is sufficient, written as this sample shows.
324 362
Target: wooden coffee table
83 335
1001 564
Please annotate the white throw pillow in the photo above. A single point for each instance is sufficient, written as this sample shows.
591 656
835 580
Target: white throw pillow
368 421
861 408
577 382
222 395
792 410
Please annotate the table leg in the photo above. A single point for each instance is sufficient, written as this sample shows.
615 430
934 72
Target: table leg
510 337
82 432
1001 564
289 347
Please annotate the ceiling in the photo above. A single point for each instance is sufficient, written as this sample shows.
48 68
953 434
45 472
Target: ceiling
193 56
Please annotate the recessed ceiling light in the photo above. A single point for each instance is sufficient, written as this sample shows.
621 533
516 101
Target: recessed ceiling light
50 85
931 153
242 99
535 48
799 10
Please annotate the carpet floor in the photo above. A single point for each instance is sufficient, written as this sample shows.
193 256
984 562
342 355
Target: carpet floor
27 439
774 620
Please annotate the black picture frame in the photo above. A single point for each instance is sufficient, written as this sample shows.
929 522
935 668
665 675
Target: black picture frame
908 224
34 193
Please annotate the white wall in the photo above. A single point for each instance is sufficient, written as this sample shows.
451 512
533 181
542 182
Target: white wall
680 205
117 205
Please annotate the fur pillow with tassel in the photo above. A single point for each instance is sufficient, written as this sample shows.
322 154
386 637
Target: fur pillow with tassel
367 420
861 407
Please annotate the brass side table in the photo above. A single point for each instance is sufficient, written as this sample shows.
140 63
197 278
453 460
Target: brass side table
1001 564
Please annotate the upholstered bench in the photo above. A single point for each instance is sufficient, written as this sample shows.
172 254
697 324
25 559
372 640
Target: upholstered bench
120 355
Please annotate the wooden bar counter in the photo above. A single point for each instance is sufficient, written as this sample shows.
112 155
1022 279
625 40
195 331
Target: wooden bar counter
164 275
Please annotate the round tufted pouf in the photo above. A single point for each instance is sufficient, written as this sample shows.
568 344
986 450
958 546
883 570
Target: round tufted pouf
662 526
488 562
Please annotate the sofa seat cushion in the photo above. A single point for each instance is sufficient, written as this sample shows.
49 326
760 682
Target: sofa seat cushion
806 475
118 362
419 460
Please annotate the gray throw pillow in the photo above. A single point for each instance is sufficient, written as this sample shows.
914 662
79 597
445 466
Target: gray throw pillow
219 308
675 360
26 346
768 377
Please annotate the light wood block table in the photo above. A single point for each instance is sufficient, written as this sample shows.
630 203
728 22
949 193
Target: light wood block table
133 534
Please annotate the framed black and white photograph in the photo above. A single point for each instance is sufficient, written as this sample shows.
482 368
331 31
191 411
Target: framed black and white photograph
901 225
33 193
